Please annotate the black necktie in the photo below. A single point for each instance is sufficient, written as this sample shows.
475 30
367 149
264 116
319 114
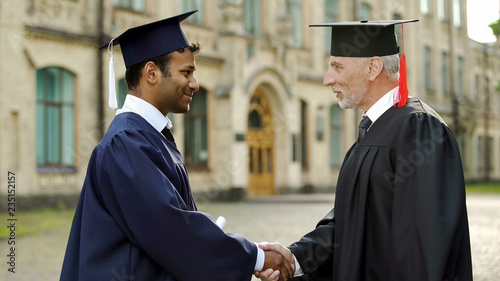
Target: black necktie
166 132
363 127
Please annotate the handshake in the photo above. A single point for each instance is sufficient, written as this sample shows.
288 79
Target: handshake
279 263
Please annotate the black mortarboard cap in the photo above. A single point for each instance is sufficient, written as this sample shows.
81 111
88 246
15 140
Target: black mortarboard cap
369 39
151 40
363 38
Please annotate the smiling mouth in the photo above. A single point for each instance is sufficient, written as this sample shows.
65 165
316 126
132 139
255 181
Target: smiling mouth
338 94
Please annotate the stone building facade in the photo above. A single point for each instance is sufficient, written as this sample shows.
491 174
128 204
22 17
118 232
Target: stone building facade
262 122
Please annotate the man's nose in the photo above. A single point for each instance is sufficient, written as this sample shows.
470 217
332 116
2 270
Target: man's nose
329 79
193 84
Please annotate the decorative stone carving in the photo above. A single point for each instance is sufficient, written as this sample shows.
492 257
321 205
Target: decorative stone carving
231 12
284 28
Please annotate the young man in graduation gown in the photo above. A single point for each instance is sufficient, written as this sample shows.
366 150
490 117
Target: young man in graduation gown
400 212
136 218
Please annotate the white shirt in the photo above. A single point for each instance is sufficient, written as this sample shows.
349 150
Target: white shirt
147 111
154 117
382 105
374 112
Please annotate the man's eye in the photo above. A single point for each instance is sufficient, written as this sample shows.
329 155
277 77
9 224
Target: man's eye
336 67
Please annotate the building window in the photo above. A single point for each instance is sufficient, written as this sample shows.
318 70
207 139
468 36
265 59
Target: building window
498 104
195 131
134 5
294 148
484 154
442 11
477 86
331 15
486 90
122 92
320 128
461 138
336 136
424 6
252 16
444 73
55 118
427 69
490 153
294 10
480 154
457 16
460 76
255 120
365 12
191 5
303 134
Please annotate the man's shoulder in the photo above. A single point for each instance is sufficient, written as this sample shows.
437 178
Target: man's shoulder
416 106
129 123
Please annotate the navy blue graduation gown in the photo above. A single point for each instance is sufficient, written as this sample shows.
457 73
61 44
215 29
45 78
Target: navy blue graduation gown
136 218
400 211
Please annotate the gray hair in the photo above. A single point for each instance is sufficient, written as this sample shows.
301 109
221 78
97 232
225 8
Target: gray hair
391 65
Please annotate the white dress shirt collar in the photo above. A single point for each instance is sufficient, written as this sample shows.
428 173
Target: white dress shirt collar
382 105
147 111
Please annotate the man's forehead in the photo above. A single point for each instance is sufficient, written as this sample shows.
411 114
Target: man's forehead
340 60
183 58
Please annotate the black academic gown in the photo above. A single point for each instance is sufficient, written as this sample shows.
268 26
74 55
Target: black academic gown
400 212
136 218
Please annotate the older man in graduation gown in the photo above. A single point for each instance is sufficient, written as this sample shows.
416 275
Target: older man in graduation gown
400 212
136 218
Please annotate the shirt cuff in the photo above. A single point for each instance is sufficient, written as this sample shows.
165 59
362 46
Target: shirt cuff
298 269
261 257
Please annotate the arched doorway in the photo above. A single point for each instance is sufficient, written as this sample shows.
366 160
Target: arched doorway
260 138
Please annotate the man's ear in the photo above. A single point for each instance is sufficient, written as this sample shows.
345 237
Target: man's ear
150 72
375 66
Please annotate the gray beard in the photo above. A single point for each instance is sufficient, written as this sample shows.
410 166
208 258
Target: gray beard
351 101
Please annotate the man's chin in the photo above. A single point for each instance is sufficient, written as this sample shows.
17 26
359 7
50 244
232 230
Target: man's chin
345 105
342 104
184 109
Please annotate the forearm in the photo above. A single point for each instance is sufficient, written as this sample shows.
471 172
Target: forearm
315 248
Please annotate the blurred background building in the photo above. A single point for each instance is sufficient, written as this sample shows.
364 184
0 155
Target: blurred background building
262 122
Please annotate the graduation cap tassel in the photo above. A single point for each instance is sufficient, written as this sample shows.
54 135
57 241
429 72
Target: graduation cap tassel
403 80
112 102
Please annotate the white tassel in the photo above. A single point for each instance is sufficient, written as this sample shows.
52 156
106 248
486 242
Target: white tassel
112 102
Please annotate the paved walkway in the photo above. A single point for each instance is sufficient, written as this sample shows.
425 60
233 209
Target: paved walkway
282 218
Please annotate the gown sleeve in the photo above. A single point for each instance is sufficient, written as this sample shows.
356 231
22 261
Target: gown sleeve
138 193
429 221
314 251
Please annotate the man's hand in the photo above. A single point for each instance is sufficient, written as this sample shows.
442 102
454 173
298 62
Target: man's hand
275 261
268 275
279 258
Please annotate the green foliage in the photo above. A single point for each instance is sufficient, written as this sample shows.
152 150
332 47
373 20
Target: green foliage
495 26
483 188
